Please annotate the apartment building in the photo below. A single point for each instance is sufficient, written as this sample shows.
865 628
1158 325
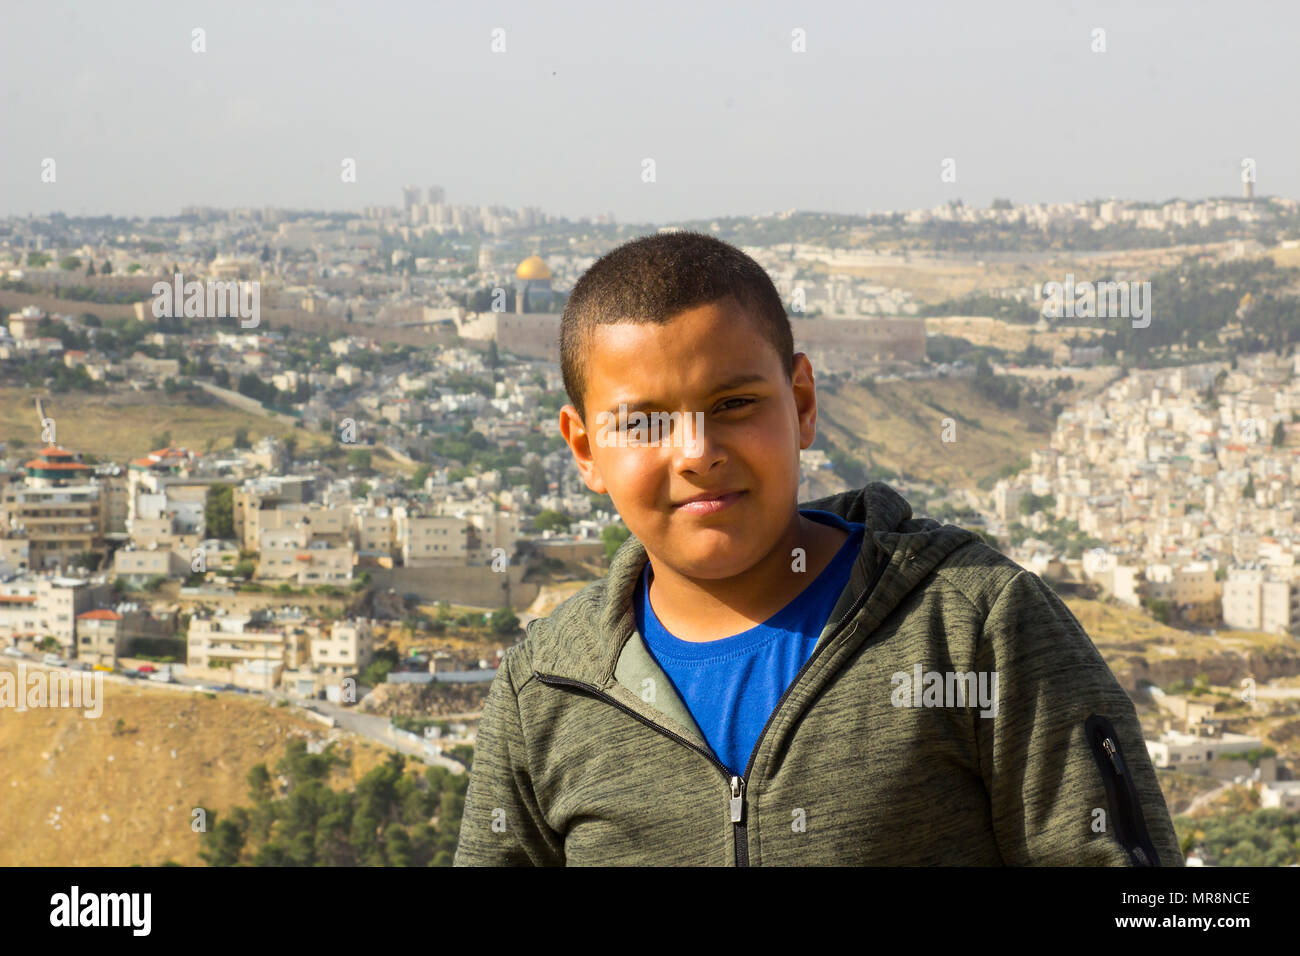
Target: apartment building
295 555
33 608
1189 588
138 565
1176 749
1253 600
100 637
266 493
343 650
288 650
230 644
57 509
104 634
376 536
428 541
1279 795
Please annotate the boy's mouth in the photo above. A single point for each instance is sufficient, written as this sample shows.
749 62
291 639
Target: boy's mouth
709 503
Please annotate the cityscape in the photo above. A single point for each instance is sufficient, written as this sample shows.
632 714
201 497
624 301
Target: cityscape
283 484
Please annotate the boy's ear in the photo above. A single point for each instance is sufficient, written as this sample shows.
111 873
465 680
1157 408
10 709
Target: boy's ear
805 398
578 439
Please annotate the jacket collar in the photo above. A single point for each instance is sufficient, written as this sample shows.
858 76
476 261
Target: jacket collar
588 638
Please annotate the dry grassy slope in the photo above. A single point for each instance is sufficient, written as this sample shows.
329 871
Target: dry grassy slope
552 596
1137 647
899 425
930 279
56 761
1011 337
122 425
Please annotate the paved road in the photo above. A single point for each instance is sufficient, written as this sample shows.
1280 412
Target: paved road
1207 797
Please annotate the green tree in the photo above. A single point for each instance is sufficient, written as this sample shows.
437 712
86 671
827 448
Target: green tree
551 520
1160 610
503 621
535 478
614 535
219 512
223 843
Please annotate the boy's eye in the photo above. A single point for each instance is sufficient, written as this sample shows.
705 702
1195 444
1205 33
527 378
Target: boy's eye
727 405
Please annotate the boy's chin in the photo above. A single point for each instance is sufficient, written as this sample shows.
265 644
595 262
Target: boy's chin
715 565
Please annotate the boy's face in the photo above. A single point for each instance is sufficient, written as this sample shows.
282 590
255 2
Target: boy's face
711 360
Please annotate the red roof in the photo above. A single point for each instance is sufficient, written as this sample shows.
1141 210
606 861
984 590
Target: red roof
52 451
18 598
57 465
100 614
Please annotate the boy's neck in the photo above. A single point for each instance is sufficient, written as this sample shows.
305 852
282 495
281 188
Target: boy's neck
694 609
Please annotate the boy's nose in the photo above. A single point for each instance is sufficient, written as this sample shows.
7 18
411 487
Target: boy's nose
694 449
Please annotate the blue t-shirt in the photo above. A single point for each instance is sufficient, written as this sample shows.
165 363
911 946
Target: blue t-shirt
732 685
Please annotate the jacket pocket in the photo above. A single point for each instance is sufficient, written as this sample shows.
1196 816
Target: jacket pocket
1129 827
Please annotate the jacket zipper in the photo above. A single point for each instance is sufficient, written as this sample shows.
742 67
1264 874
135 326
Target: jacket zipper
737 784
1121 792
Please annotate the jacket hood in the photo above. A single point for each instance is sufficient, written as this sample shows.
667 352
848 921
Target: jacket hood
587 638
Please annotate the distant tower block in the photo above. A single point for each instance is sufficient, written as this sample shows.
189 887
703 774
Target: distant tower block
532 283
410 197
1247 189
436 195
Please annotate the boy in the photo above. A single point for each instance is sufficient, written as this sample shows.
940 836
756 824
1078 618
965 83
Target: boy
759 683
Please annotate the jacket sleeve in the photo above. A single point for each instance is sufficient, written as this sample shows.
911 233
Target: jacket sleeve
502 824
1058 796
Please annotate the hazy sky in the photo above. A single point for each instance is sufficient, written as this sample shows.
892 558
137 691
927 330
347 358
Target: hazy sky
737 123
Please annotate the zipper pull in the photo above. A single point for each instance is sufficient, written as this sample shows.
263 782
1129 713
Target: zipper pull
1108 745
737 799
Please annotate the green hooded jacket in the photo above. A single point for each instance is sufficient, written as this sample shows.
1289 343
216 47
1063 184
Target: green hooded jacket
876 755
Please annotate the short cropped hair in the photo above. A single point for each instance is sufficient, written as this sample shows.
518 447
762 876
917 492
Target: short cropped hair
655 278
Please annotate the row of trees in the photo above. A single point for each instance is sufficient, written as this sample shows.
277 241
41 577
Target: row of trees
392 818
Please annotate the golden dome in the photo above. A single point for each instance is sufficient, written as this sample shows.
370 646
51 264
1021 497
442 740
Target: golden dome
533 268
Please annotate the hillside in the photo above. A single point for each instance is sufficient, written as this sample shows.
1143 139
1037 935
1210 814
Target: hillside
1139 648
122 425
77 793
898 425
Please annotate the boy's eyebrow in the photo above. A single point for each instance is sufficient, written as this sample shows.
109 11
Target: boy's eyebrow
736 381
